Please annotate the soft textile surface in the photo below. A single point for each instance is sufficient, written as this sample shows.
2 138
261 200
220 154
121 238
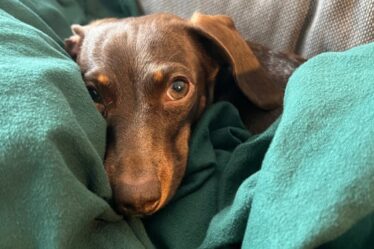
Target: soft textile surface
316 183
52 182
317 179
307 27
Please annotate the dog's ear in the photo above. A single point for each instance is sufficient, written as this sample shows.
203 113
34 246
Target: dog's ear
249 75
74 42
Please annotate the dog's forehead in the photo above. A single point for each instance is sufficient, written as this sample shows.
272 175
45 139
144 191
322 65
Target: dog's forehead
158 37
132 47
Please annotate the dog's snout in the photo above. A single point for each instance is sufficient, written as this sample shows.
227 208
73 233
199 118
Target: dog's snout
137 197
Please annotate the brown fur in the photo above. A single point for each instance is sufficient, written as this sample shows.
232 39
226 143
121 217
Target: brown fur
132 62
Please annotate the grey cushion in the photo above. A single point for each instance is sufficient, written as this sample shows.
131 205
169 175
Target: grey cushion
307 27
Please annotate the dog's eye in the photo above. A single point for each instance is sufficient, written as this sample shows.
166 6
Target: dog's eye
96 97
100 104
178 89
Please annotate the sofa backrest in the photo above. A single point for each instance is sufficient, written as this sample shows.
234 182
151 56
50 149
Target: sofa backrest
307 27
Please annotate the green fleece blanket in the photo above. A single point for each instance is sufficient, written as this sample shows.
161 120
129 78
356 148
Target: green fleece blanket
306 182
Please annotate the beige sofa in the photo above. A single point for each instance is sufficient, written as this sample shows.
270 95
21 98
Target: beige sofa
307 27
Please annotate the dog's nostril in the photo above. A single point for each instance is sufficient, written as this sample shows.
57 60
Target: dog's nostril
150 205
141 208
127 204
137 198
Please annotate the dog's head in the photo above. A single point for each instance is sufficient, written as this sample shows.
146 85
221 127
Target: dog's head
151 77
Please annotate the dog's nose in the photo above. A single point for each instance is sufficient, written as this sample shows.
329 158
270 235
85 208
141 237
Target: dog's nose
137 197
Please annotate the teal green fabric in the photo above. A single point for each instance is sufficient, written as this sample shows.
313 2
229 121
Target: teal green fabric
313 187
53 188
317 179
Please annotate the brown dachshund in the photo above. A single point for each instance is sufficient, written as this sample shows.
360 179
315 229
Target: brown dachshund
151 77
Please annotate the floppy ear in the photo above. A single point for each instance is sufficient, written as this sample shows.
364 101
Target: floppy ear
74 42
250 77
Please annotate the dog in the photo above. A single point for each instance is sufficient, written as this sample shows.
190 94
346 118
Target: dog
152 77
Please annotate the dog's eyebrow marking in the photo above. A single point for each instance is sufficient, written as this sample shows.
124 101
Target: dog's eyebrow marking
103 79
158 76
